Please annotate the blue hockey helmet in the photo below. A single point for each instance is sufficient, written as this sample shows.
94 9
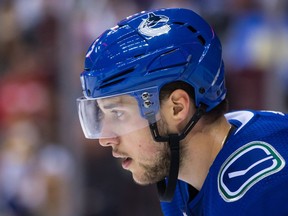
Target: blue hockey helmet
148 50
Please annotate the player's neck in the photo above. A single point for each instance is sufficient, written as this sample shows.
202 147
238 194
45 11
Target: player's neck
200 150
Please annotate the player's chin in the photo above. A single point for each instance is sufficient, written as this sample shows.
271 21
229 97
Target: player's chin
142 179
143 182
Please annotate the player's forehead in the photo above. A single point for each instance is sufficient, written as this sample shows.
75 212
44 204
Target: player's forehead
117 101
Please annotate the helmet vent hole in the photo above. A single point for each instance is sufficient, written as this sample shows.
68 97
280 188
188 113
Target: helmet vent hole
119 77
170 51
192 29
138 55
112 83
179 23
201 39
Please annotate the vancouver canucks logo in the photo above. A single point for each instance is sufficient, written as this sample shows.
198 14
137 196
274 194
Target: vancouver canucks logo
247 166
154 25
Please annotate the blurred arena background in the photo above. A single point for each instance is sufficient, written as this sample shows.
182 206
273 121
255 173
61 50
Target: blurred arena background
47 168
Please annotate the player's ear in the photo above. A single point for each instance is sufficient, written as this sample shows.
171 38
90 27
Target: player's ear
177 109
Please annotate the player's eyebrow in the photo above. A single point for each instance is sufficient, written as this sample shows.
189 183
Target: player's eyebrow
111 106
117 102
109 103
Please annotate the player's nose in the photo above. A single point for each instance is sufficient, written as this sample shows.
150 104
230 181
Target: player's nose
107 136
106 142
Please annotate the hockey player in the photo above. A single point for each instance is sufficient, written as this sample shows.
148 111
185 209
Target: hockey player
154 91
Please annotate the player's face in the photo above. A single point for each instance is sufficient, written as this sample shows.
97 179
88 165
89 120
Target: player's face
147 160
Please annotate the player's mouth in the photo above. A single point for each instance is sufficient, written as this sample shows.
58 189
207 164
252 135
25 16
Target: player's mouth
126 161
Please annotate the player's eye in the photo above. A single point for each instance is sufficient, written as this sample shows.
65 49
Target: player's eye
119 115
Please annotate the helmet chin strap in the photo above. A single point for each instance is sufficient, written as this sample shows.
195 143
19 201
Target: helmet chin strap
166 187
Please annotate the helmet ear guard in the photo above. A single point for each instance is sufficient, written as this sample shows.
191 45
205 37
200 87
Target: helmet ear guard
149 50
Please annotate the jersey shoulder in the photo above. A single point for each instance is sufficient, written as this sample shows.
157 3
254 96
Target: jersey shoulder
258 124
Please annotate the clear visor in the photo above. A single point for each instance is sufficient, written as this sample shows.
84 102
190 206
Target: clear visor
116 116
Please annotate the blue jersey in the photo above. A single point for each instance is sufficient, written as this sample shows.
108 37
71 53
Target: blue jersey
248 177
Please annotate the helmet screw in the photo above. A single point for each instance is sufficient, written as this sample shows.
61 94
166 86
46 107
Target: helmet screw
201 90
147 103
145 96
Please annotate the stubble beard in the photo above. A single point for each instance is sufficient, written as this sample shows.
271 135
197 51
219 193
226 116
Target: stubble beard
159 168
